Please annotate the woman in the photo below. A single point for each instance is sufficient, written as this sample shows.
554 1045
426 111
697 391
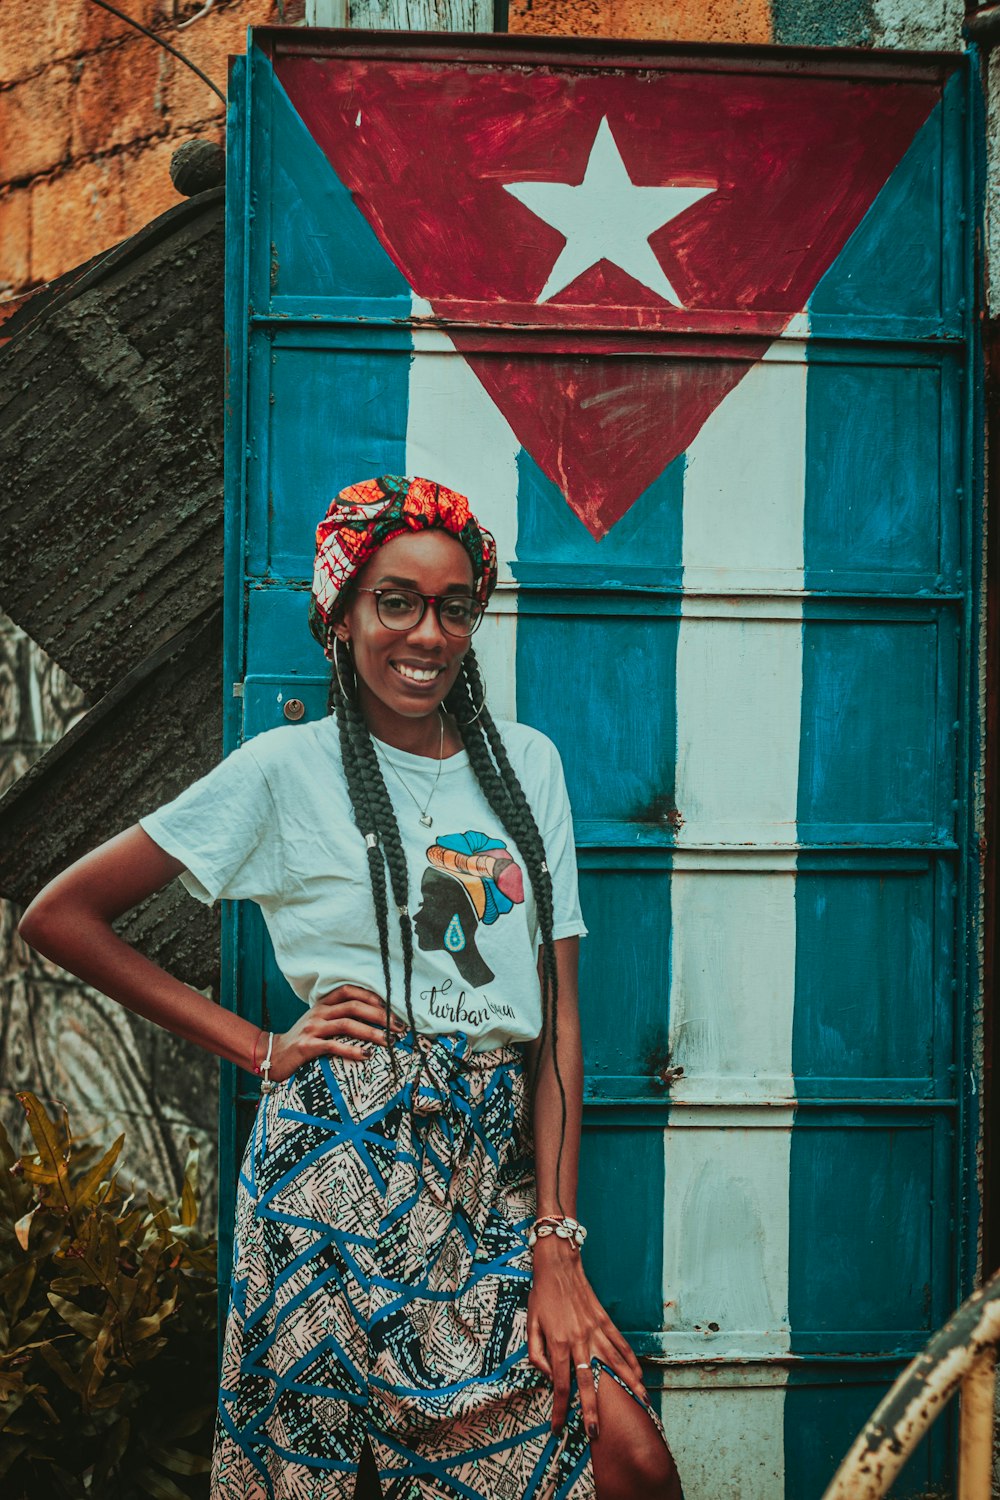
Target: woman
393 1291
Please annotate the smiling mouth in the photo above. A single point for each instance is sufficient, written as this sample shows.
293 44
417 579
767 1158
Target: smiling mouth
421 675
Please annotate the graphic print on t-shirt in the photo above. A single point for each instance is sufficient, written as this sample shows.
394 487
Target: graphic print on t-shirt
472 879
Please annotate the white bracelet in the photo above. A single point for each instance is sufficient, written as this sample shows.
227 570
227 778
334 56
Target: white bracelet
564 1229
267 1085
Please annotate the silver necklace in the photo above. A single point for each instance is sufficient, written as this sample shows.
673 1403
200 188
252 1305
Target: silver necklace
425 817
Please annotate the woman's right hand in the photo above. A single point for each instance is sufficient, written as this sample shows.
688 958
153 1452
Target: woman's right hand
346 1022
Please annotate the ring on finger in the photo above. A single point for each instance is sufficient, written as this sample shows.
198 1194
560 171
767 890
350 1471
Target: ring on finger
587 1366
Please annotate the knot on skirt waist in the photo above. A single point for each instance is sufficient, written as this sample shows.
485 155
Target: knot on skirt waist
462 1105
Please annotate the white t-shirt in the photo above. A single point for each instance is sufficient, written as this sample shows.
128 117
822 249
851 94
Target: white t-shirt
273 823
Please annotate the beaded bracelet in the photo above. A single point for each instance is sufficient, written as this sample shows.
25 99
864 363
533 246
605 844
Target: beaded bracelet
563 1228
268 1085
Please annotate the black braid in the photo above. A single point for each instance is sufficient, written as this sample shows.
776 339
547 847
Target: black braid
392 848
503 791
347 722
373 813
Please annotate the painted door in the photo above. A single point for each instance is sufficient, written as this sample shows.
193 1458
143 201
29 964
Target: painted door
692 329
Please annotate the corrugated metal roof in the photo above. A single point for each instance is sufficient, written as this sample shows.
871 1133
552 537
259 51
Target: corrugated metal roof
111 451
111 477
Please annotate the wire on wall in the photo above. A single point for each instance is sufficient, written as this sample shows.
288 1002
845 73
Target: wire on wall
161 43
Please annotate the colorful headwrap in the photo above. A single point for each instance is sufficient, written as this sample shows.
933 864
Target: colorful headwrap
485 867
365 516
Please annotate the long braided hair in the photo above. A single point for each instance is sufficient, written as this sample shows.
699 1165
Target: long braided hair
376 821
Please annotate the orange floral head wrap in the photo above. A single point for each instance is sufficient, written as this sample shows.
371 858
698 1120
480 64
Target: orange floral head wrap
363 517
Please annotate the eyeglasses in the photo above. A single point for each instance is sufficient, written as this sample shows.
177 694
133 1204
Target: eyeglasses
402 609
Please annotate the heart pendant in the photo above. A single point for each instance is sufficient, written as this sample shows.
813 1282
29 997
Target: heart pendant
426 820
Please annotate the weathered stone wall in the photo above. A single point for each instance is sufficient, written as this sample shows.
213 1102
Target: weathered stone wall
822 23
90 113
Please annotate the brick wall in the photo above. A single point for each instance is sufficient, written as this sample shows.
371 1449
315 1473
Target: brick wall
90 113
647 20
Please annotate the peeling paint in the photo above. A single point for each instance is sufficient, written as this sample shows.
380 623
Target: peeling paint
917 1397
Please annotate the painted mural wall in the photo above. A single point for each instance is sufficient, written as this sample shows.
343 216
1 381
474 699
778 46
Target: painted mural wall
91 166
728 549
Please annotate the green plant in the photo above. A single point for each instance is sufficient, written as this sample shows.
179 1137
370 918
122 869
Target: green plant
107 1326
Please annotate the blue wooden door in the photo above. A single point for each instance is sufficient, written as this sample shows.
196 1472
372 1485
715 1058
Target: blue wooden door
693 329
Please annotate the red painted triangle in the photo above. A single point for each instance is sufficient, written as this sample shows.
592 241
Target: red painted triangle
793 164
605 430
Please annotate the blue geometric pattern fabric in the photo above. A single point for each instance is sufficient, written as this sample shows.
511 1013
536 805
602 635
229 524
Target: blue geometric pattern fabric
380 1288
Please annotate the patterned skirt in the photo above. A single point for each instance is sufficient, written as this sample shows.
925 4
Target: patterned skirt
380 1286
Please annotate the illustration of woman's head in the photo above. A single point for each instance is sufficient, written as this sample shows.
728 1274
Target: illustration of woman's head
448 920
473 879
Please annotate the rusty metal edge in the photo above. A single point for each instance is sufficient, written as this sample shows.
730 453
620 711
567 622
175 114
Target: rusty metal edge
19 311
917 1397
583 52
99 268
975 1428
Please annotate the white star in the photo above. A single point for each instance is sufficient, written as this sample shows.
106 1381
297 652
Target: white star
606 217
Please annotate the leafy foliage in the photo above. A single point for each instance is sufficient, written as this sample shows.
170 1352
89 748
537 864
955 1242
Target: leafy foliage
107 1326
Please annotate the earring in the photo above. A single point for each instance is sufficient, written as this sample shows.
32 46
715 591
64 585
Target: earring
336 667
475 716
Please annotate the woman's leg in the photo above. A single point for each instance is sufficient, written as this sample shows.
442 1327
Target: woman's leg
630 1459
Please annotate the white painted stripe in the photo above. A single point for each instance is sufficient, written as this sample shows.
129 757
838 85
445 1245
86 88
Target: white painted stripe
739 684
457 435
739 680
496 650
726 1295
742 607
744 481
729 1184
797 327
732 978
732 982
727 1440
